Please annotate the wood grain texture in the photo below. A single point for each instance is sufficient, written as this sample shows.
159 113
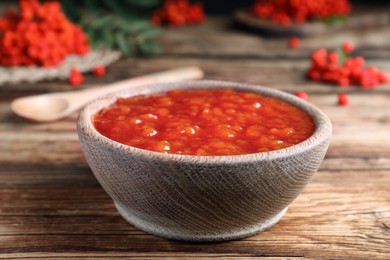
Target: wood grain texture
327 219
52 207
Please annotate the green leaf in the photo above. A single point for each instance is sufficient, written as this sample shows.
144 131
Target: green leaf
149 48
120 9
144 3
91 5
108 37
132 46
121 44
71 10
102 22
335 19
151 32
130 37
136 27
342 55
91 37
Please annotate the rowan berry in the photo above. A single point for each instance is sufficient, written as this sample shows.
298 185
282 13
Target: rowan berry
383 78
156 20
314 73
75 78
343 99
294 42
10 13
195 13
301 94
343 82
178 13
333 57
347 47
319 57
99 71
358 61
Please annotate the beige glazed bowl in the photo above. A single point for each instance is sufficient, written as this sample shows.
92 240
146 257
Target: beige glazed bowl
202 198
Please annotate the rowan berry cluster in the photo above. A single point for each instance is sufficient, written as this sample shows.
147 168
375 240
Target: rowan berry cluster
178 13
338 68
286 12
39 35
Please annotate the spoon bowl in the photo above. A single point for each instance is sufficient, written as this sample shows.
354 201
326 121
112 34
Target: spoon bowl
38 106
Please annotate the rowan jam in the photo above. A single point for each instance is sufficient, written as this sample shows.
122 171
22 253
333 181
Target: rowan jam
204 122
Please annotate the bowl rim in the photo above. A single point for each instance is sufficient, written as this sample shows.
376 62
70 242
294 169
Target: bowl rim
322 132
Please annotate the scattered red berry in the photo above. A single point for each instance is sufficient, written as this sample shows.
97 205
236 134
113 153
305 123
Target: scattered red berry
99 71
301 94
286 12
343 70
343 99
383 78
75 78
294 42
347 47
178 13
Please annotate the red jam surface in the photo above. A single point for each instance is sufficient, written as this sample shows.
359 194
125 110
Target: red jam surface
204 122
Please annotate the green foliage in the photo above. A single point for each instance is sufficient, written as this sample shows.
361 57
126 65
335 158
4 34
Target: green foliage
118 24
335 19
127 9
332 20
342 56
132 38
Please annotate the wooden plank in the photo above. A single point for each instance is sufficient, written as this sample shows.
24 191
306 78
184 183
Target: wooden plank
328 218
282 74
219 40
138 256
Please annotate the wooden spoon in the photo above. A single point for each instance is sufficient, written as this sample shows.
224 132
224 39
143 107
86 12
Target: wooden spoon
54 106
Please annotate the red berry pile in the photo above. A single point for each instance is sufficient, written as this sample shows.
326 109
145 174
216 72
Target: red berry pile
178 13
286 12
40 34
340 69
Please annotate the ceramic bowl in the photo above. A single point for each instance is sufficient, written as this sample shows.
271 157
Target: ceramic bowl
202 198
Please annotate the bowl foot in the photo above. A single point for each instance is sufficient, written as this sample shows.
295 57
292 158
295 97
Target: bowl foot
194 236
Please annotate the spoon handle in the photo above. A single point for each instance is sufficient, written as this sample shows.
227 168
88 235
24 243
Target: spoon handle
53 106
174 75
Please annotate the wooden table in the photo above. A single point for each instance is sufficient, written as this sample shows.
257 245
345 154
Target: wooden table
52 207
